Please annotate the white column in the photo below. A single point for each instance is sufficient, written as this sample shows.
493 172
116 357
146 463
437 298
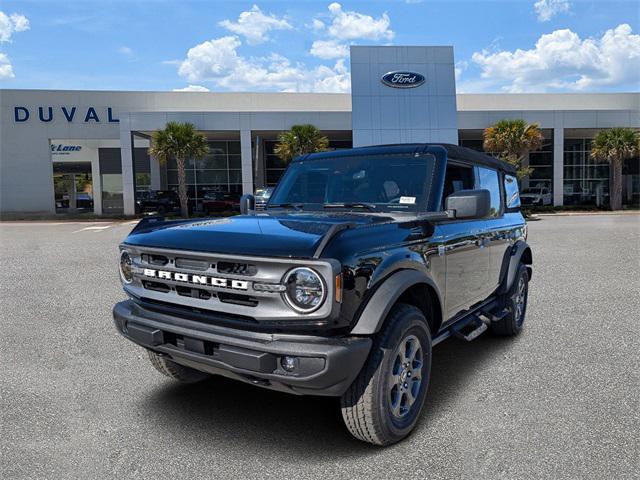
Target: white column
558 166
126 156
154 165
245 156
96 182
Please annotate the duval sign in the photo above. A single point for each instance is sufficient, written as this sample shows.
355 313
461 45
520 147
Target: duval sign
401 79
66 113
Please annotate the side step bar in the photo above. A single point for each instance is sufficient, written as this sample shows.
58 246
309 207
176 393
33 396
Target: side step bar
470 330
473 325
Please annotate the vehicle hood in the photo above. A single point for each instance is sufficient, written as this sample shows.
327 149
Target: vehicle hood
284 235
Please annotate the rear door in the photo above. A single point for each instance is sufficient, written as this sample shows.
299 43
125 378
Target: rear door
495 234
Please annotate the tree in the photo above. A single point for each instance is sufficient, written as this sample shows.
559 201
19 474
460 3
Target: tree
301 139
179 141
512 140
615 145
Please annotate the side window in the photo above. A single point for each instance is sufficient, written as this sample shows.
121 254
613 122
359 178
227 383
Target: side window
488 179
511 193
458 177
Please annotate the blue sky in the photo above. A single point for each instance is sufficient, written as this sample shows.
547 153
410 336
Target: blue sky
500 46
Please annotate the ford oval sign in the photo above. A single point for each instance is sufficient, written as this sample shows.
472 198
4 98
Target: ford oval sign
403 79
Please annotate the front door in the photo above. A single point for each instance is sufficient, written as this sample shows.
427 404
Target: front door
73 187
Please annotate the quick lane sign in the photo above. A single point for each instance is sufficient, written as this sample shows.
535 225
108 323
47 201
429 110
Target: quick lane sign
67 113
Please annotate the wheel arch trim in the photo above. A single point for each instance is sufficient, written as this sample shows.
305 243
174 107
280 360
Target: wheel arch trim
520 251
385 297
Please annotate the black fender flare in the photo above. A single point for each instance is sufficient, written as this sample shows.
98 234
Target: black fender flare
384 298
520 251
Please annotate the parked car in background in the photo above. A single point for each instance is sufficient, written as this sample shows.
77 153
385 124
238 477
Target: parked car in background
538 195
217 202
262 197
160 201
84 200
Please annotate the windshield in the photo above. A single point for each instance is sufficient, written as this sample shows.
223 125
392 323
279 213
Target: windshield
389 182
535 191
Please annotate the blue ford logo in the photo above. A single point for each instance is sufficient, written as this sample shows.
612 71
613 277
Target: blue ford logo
403 79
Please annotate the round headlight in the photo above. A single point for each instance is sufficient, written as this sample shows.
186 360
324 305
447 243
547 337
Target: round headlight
305 290
126 267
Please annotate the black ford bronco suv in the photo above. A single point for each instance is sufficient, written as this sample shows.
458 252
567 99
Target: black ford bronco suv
363 260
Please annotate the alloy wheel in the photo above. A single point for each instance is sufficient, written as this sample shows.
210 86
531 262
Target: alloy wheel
405 378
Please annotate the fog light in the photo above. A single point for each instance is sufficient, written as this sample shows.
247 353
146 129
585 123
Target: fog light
288 363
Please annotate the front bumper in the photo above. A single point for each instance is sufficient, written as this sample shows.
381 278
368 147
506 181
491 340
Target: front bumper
324 365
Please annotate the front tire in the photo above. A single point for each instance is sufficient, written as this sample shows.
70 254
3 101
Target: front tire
515 303
383 404
174 370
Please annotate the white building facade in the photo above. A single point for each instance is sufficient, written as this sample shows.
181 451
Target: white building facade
70 151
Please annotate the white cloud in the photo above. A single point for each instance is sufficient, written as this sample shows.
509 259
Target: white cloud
192 88
317 25
10 24
125 51
254 25
219 62
210 59
547 9
344 27
329 49
347 25
6 69
561 60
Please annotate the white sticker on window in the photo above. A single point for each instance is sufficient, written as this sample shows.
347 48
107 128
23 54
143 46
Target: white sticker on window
408 200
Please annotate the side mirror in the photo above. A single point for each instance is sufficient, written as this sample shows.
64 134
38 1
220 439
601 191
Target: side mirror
247 204
469 203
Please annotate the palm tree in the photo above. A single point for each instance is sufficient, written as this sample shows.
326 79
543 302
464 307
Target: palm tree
301 139
615 145
512 140
182 142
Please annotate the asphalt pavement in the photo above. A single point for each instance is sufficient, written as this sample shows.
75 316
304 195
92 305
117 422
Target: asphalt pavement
559 401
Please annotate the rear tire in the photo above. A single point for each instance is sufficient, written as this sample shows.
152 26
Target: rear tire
174 370
515 302
383 404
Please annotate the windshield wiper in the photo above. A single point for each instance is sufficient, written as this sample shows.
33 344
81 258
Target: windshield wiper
365 205
296 206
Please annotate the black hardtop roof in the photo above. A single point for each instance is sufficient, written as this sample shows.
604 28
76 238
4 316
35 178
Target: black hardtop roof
454 152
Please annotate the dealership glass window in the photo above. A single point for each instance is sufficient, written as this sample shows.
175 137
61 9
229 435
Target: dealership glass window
542 163
143 182
586 181
112 201
220 170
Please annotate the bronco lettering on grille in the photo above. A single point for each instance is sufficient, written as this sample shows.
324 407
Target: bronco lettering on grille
196 279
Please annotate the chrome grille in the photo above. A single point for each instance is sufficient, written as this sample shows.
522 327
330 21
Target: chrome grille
220 283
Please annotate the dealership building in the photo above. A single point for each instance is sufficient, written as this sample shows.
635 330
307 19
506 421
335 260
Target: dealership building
69 151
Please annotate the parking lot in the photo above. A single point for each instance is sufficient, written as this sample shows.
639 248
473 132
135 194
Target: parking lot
559 401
